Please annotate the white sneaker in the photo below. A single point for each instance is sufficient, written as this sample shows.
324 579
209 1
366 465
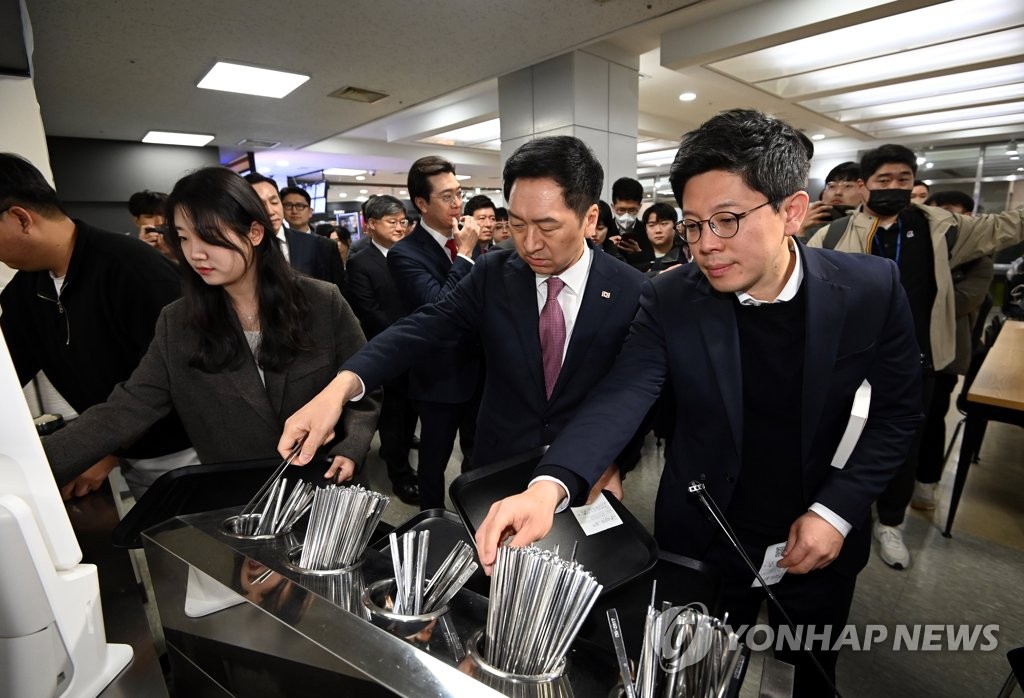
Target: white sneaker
891 547
924 496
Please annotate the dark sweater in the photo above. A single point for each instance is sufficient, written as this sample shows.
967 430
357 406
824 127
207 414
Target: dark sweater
92 336
769 490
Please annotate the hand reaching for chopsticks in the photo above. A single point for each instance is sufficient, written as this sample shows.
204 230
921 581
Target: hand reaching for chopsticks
315 421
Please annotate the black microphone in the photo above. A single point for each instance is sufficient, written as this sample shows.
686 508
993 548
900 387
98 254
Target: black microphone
700 490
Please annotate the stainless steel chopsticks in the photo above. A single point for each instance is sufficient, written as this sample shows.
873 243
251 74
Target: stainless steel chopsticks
538 602
341 521
685 654
414 594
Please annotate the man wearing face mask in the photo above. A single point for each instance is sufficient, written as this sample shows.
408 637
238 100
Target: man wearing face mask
630 235
926 243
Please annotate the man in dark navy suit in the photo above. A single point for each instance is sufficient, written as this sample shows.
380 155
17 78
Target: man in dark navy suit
310 254
550 315
426 266
766 344
374 298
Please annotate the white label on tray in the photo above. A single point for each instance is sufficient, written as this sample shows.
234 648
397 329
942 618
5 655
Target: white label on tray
596 517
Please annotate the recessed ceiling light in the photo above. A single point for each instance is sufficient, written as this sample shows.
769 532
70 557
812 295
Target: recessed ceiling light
172 138
360 198
921 160
282 163
343 172
343 194
929 165
362 191
264 170
687 96
403 192
818 137
927 181
1015 157
248 80
360 178
462 177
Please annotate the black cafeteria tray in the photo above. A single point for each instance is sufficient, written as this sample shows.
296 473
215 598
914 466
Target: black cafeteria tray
613 556
446 529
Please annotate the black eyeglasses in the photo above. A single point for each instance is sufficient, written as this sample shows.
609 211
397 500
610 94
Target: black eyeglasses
296 207
723 224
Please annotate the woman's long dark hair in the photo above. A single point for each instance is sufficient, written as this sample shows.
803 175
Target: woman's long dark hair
216 200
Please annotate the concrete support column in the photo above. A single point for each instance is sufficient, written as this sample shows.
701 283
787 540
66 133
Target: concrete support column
590 93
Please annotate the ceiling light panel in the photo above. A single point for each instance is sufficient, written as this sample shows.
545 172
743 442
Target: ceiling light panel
474 135
343 172
937 103
897 33
248 80
1015 109
914 89
652 144
949 56
172 138
955 129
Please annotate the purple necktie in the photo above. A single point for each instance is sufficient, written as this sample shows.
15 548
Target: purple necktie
552 334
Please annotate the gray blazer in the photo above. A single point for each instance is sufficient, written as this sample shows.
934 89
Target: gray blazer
230 415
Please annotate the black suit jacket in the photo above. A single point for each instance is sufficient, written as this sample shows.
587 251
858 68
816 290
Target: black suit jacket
424 273
315 256
372 292
858 327
498 300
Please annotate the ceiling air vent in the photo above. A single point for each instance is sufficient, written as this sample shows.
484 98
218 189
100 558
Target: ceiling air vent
253 143
358 94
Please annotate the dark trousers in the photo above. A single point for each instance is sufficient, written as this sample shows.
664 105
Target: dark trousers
439 423
933 441
892 503
820 598
396 425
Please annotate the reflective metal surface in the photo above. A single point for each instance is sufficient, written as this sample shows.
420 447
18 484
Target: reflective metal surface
293 633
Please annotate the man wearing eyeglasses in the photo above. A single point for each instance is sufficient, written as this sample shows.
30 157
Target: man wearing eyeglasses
839 197
426 266
311 255
765 344
297 209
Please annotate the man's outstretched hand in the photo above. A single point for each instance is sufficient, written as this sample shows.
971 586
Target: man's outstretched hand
527 517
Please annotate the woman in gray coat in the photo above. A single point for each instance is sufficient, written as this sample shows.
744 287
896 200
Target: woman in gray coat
248 344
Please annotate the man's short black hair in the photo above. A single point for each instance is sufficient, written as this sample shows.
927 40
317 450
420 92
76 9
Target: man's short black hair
844 172
296 190
501 214
21 184
661 211
922 183
478 202
147 203
627 189
886 154
418 181
255 178
951 198
565 159
384 205
768 154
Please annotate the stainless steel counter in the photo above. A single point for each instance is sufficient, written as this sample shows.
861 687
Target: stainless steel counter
284 634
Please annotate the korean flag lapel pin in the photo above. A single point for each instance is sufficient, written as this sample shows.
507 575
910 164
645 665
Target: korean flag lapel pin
606 294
